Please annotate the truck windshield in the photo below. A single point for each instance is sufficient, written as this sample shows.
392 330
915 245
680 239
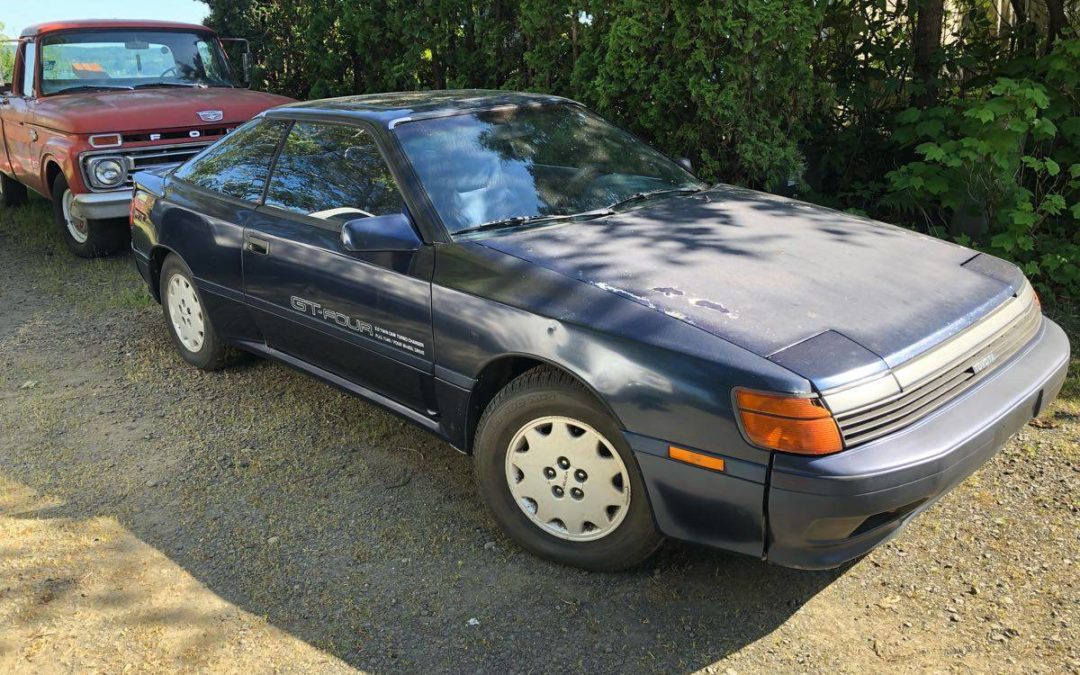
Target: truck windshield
131 59
525 166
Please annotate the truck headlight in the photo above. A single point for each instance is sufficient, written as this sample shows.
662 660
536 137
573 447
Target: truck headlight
107 172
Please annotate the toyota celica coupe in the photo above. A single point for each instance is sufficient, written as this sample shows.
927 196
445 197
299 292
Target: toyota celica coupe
627 352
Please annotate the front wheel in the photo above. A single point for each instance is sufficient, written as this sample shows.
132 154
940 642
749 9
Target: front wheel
85 238
559 478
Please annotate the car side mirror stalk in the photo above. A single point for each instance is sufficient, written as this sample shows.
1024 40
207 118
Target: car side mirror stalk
392 233
685 163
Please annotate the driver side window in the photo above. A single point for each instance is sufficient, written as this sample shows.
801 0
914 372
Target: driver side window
333 172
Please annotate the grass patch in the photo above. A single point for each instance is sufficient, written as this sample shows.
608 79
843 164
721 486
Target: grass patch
98 285
1067 315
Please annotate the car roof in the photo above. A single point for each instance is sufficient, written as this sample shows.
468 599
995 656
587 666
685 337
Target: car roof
50 26
392 108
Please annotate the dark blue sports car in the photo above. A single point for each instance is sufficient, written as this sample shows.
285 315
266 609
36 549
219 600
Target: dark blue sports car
627 352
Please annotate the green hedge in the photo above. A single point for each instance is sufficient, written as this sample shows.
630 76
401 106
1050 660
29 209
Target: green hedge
978 143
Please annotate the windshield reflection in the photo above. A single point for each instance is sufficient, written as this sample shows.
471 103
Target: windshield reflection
131 59
524 162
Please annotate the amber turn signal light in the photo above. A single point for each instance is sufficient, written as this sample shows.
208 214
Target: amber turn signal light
788 423
696 458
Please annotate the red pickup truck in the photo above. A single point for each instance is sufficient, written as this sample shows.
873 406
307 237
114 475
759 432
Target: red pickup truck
91 102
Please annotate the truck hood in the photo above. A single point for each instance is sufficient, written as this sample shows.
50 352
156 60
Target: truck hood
149 109
768 273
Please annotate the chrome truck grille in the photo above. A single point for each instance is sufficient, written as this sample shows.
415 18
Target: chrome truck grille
147 157
872 409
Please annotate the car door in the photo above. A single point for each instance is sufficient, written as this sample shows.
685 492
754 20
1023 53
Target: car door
210 198
362 316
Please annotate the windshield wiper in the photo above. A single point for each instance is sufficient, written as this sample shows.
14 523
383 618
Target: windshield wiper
185 85
642 196
515 221
93 87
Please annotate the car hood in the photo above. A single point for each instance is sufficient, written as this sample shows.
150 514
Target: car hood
149 109
768 273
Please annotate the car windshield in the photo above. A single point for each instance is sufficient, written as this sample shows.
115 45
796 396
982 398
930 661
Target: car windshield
131 59
525 165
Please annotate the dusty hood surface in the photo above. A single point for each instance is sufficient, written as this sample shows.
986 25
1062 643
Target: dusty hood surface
765 272
149 109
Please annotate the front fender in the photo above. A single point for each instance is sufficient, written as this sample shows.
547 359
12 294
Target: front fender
662 378
63 151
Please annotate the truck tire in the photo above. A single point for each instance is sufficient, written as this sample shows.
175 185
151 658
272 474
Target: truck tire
558 476
85 238
12 192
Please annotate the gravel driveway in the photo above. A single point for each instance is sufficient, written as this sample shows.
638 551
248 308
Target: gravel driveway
153 518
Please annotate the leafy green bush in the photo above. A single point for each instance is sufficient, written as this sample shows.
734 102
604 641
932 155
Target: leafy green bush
999 168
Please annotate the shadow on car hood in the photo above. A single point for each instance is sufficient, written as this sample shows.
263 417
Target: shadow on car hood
766 272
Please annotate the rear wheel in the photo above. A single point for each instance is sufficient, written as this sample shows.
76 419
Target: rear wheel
85 238
12 192
559 478
186 319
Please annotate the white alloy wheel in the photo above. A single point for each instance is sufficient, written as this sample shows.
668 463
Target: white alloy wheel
77 227
186 313
567 478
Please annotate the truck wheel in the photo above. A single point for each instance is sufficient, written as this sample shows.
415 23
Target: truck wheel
559 477
12 192
85 238
186 318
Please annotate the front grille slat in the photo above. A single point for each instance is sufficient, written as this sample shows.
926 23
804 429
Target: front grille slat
885 416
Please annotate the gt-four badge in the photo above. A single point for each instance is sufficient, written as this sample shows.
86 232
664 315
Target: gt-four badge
316 310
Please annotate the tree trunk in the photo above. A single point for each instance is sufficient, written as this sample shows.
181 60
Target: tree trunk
1056 22
925 45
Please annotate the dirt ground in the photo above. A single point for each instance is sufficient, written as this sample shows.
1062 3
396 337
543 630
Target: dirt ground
155 518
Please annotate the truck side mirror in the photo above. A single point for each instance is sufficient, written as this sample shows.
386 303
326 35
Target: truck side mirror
245 59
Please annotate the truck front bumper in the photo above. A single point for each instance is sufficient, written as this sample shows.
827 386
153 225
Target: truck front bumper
823 511
102 205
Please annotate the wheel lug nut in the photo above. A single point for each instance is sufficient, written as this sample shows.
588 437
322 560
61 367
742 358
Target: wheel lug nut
576 493
564 463
557 491
549 473
581 476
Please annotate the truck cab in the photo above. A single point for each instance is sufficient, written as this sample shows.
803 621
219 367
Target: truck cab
89 103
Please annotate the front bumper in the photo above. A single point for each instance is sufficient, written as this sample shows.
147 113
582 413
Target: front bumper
824 511
102 205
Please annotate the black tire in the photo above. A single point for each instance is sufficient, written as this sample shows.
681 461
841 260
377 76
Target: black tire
12 192
101 237
548 392
212 353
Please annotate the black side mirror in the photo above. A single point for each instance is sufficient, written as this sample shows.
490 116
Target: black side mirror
685 163
394 232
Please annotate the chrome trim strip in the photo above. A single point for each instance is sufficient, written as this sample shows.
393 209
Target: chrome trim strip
841 400
958 346
851 397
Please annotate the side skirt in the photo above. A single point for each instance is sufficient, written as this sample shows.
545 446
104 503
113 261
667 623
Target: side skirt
419 419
